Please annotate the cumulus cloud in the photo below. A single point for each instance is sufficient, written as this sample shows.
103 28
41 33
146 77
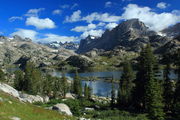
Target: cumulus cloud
155 21
40 23
95 16
96 33
25 33
84 28
76 16
105 17
34 12
162 5
110 26
108 4
56 12
14 18
53 37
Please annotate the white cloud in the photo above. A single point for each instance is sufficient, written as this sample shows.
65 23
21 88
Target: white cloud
76 16
53 37
25 33
84 28
108 4
162 5
101 24
64 6
34 12
96 33
105 17
57 12
12 19
95 16
74 5
110 26
40 23
153 20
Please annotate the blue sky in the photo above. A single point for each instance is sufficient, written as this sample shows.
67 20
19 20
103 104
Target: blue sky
72 20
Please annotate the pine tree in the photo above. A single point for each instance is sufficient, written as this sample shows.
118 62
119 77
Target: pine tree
148 90
86 91
58 88
33 79
140 82
153 87
19 80
89 92
77 85
2 76
126 85
168 89
64 84
177 91
48 85
112 95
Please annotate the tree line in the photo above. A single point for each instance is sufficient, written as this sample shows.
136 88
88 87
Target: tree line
146 91
32 81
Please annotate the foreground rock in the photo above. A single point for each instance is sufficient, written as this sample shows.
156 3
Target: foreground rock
22 96
30 98
62 108
8 89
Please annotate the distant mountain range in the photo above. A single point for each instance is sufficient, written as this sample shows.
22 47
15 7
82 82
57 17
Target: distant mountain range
18 50
130 35
60 45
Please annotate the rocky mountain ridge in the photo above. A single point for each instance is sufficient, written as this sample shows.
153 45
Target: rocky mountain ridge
16 48
60 45
130 35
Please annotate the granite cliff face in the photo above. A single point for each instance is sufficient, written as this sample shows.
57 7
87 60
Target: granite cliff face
130 35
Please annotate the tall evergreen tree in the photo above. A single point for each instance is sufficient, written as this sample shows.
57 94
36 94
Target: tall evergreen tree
89 92
151 96
48 85
153 92
140 82
33 78
86 91
177 91
113 99
2 76
168 89
58 88
64 84
126 85
77 85
19 80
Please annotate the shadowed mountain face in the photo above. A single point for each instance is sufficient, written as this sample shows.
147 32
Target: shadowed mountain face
172 31
130 35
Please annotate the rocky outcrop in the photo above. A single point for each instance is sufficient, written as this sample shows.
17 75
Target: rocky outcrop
8 89
21 96
131 35
62 108
30 98
80 61
170 47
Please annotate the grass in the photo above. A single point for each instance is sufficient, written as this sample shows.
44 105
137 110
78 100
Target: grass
104 111
11 107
